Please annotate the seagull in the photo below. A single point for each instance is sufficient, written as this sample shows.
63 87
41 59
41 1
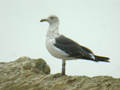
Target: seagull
65 48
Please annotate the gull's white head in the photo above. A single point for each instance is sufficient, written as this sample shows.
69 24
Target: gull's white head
51 19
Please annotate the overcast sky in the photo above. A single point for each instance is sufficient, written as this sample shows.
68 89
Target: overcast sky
92 23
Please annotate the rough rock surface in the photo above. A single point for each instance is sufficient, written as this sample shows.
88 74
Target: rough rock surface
33 74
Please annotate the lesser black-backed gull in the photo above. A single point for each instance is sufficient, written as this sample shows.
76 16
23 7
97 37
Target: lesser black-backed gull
64 48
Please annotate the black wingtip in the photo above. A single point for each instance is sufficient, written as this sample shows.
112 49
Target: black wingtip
101 58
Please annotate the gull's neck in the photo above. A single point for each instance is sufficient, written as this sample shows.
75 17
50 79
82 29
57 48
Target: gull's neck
53 30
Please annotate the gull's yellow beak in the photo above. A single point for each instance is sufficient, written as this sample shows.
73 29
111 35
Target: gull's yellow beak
42 20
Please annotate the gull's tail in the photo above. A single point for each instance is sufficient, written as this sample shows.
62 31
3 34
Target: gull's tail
101 58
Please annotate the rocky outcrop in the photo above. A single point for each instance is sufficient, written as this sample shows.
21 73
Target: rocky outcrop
34 74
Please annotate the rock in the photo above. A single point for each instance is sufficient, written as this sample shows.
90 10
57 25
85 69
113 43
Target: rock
34 74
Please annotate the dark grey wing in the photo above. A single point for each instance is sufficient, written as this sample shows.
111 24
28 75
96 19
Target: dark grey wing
72 48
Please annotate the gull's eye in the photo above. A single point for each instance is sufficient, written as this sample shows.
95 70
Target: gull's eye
52 18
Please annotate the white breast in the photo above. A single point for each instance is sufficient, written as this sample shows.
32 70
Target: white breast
54 51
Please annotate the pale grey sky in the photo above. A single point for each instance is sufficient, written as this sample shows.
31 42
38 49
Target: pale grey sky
92 23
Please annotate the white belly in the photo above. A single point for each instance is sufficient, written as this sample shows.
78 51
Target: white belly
54 51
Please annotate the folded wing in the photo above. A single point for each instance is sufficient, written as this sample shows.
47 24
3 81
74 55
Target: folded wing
73 49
